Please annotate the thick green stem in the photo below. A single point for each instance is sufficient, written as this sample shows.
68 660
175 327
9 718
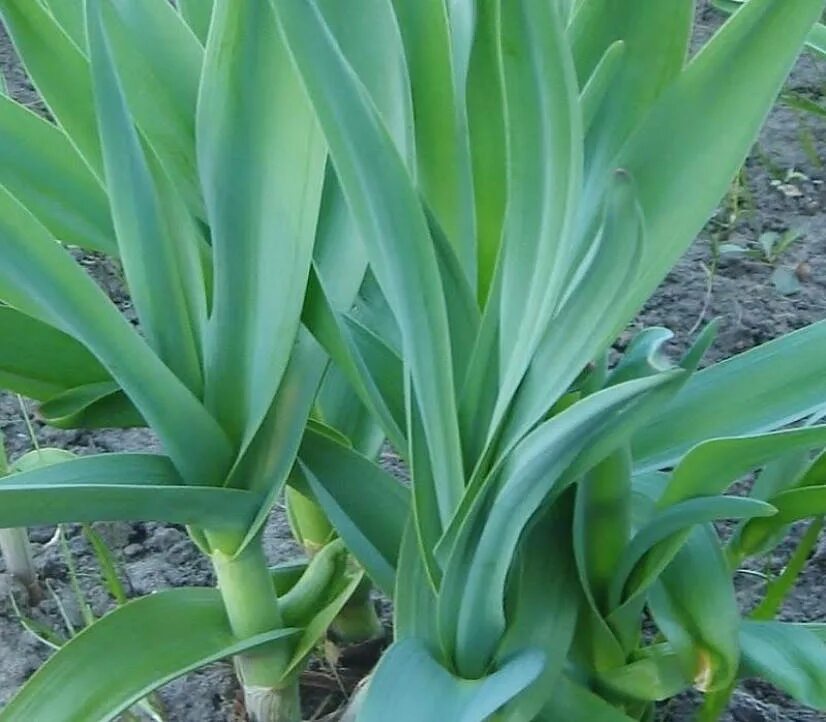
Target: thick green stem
252 607
357 622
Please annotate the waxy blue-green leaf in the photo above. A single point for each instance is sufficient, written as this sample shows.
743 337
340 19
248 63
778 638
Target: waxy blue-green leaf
792 505
60 72
69 15
252 106
154 260
471 613
162 636
119 487
392 224
39 361
198 15
701 127
39 278
487 136
146 40
414 598
442 149
367 506
542 112
542 607
417 687
789 656
711 467
762 389
96 405
655 545
41 168
564 350
655 37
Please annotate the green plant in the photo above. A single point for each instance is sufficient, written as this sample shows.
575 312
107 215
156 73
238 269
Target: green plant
195 161
566 156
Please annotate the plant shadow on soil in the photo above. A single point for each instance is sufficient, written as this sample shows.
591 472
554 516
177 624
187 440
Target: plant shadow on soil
155 556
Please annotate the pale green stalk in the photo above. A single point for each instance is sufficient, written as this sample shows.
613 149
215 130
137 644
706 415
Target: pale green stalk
252 607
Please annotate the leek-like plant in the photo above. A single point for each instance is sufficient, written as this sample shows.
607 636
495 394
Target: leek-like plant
182 145
566 155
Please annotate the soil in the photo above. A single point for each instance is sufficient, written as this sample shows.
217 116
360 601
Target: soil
784 189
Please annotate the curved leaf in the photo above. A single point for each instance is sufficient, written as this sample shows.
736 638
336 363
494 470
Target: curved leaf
151 256
368 508
394 229
42 280
790 656
39 361
60 72
252 106
41 168
712 466
762 389
160 637
416 687
117 487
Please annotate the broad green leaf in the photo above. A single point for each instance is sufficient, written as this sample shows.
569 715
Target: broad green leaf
41 168
471 613
655 36
655 545
602 523
762 389
543 187
97 405
262 214
69 15
42 280
792 505
701 127
599 83
60 72
369 37
366 505
370 382
393 226
564 351
789 656
604 279
712 466
162 636
118 487
147 39
487 137
694 606
198 14
339 262
152 257
542 607
39 361
442 151
414 598
416 687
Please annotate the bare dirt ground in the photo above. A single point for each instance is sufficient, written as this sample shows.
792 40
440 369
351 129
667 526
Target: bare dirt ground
784 189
